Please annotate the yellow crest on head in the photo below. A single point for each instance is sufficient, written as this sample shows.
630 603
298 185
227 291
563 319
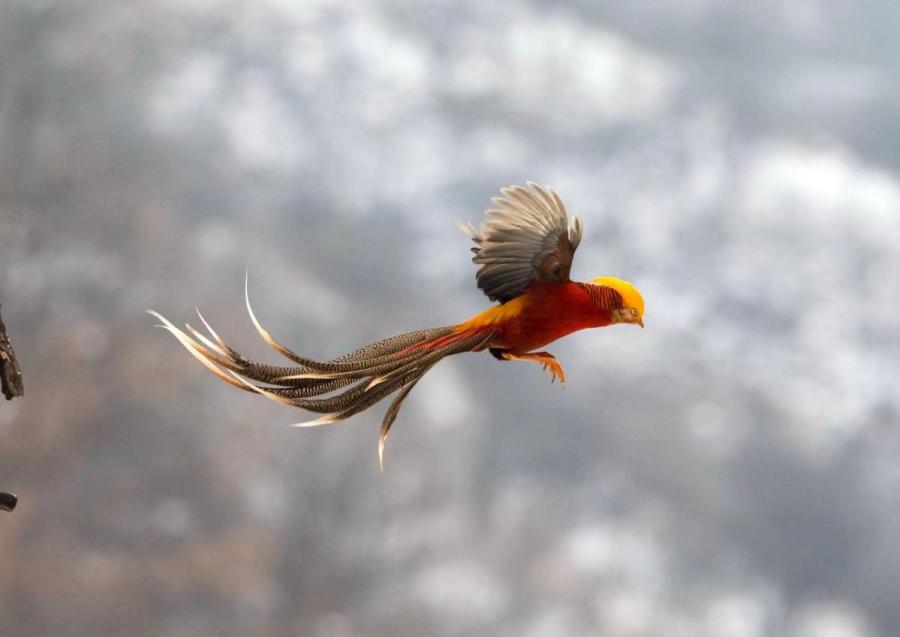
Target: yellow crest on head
629 293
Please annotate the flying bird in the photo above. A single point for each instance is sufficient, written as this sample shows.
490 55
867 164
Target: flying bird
524 249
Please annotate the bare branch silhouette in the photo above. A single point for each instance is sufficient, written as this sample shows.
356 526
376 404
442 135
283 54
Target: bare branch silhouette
11 382
10 374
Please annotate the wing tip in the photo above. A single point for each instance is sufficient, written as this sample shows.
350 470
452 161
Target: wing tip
468 229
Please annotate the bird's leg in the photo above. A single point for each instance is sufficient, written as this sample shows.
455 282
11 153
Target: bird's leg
546 359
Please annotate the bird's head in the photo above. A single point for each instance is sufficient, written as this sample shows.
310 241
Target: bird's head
632 310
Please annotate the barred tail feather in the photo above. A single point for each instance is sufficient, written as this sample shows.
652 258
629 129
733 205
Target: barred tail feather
402 375
338 388
392 412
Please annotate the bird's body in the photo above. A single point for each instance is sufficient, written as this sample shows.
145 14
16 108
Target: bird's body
544 313
525 251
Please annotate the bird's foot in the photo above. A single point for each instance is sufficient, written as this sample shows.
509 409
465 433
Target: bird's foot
556 371
547 361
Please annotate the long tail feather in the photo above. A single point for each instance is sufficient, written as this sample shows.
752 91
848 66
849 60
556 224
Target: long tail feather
360 378
373 394
391 415
363 357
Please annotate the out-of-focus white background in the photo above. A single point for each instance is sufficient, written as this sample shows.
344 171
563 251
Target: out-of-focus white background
733 470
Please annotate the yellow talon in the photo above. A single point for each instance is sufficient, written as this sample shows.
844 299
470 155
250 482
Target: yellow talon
547 361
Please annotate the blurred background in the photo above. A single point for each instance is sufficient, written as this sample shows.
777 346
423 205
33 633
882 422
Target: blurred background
732 470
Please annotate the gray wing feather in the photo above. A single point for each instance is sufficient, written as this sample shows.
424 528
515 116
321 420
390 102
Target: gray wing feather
526 238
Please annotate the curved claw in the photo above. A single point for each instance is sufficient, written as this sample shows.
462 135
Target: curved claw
556 371
546 360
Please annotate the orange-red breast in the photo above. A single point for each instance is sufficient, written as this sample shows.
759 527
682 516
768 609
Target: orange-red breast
524 249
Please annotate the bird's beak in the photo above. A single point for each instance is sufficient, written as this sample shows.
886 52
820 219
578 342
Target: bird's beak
640 321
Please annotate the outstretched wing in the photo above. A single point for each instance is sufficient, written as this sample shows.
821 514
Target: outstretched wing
526 238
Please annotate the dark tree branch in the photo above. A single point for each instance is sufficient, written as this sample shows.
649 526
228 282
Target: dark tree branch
10 374
11 383
8 501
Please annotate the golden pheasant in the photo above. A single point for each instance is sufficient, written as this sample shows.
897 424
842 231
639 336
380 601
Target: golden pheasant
524 250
